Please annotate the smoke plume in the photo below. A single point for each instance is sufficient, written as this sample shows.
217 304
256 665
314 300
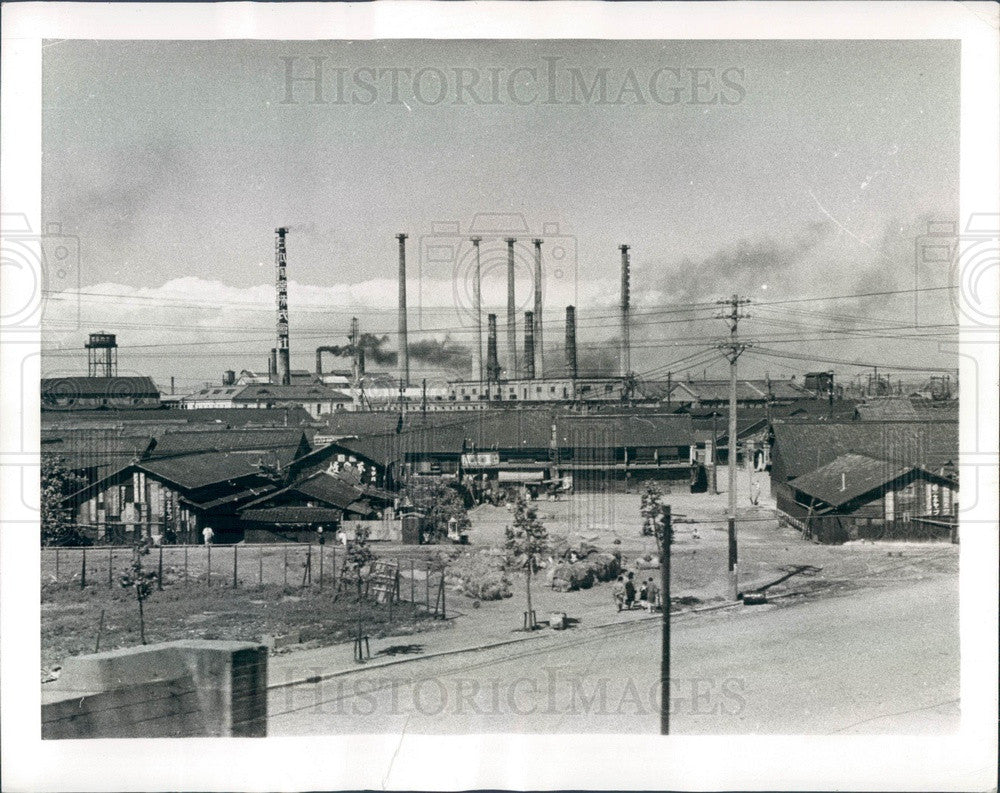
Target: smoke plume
447 354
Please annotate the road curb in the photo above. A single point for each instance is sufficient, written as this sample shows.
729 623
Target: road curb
312 679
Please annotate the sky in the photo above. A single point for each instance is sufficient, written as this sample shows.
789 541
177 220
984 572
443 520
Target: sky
781 171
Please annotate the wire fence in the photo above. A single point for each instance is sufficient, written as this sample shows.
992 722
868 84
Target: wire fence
313 568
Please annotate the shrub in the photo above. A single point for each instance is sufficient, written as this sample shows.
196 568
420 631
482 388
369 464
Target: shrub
479 575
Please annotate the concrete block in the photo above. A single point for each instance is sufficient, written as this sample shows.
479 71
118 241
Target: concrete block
190 687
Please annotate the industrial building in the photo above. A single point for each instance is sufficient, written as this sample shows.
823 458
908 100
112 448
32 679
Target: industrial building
186 481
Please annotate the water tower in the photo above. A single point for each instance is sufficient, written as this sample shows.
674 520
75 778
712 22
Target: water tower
102 355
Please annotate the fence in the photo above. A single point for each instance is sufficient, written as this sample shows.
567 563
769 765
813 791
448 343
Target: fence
306 567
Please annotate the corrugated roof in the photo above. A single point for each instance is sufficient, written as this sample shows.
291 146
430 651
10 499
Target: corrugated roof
259 439
644 430
803 446
62 388
857 473
746 390
106 450
193 471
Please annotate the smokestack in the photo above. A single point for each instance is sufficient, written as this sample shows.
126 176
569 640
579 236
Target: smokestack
319 361
477 299
355 352
624 357
404 352
511 314
529 345
272 366
361 361
492 363
229 377
539 344
571 341
284 368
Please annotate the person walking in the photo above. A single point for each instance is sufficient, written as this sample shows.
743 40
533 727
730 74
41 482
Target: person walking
629 591
652 594
207 533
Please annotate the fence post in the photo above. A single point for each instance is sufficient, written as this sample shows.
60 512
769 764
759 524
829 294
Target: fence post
209 546
321 567
235 556
443 592
260 566
334 573
309 564
185 565
286 566
83 568
413 585
57 563
159 571
427 588
111 566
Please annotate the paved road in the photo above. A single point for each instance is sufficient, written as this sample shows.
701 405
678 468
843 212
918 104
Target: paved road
874 661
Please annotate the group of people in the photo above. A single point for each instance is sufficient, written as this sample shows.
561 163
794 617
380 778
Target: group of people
628 593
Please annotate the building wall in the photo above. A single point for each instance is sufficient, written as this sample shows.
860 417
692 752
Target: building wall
889 513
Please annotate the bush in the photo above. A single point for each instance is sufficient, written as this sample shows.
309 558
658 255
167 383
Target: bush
598 566
479 575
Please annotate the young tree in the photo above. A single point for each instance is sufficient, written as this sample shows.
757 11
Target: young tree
651 510
57 482
359 555
140 580
439 504
525 543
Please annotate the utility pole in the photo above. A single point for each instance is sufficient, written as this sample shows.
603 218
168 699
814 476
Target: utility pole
733 349
715 453
665 541
423 398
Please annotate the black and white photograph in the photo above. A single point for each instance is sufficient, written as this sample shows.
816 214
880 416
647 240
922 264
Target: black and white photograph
606 385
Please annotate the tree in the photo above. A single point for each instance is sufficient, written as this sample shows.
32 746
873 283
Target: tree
438 503
359 555
57 482
140 580
651 510
525 544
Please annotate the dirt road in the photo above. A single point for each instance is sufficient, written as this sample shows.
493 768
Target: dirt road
880 660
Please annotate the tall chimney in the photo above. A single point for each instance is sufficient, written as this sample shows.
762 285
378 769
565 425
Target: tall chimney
511 314
284 367
492 362
319 361
571 341
539 343
624 357
404 351
355 352
529 345
477 299
272 366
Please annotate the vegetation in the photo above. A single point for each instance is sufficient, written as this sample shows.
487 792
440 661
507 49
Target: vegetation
57 482
439 504
651 511
525 544
139 580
